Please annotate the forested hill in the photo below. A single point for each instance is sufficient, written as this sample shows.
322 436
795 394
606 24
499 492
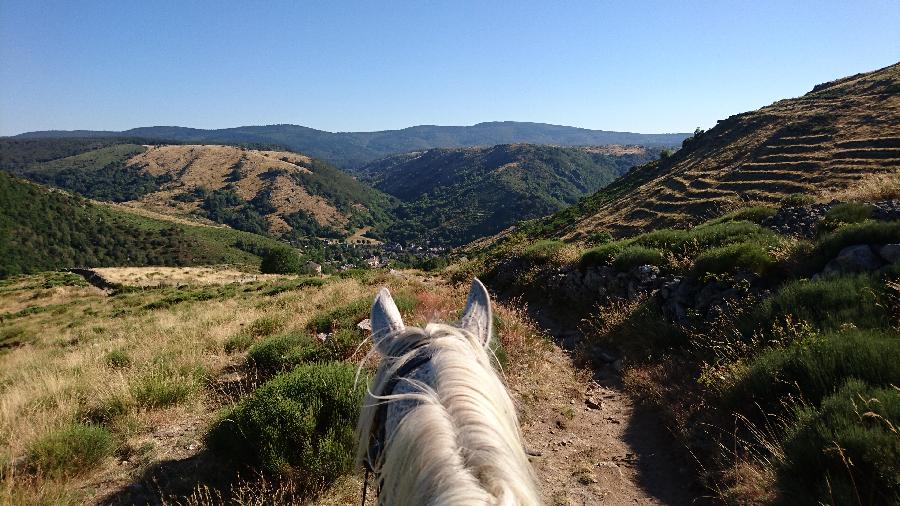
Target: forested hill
353 149
45 229
452 196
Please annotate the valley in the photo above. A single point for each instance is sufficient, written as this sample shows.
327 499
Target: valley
183 313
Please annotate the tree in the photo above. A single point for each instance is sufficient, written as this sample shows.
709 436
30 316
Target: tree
280 261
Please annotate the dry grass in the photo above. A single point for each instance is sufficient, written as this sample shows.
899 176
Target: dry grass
156 378
145 277
872 188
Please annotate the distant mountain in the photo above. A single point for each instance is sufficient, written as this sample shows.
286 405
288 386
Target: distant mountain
280 193
842 135
452 196
354 149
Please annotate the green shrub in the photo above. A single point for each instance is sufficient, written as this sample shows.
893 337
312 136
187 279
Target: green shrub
797 199
755 214
665 239
869 232
601 255
73 449
543 251
163 386
597 238
239 342
844 452
265 326
747 256
827 303
118 359
706 236
348 315
844 214
634 256
300 424
280 261
283 352
814 369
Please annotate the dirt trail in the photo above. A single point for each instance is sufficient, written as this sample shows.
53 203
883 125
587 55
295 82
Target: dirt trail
595 445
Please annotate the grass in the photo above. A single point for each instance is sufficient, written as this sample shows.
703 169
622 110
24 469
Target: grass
828 303
844 214
744 256
846 450
813 370
300 423
73 449
634 256
867 232
162 386
543 251
753 214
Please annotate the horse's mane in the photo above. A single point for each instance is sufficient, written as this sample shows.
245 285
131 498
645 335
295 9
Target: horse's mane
459 443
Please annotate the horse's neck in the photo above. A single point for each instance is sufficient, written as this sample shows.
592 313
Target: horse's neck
396 411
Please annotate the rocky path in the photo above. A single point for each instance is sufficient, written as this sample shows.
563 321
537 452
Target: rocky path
593 445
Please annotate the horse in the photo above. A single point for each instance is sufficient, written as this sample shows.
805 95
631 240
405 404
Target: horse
438 426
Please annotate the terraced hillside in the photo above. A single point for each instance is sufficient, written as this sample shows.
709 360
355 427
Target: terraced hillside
841 135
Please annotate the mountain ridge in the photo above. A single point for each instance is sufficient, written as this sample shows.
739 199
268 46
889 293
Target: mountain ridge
353 149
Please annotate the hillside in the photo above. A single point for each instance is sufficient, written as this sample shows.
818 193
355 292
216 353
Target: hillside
43 229
260 191
841 135
354 149
452 196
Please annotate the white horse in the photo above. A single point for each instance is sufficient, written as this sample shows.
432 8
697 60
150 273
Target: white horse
438 426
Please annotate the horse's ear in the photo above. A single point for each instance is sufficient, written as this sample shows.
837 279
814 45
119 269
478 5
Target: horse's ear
477 317
385 317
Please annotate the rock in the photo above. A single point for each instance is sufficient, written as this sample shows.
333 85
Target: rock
592 404
365 325
618 365
890 252
322 337
858 258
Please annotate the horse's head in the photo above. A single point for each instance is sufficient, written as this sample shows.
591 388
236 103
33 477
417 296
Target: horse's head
438 425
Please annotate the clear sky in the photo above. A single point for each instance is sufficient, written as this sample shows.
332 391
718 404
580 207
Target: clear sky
372 65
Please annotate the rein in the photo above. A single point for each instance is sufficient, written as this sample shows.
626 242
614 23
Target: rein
376 444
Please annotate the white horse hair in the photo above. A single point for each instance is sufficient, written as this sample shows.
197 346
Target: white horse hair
438 426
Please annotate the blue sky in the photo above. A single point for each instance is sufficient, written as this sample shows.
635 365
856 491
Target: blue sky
350 66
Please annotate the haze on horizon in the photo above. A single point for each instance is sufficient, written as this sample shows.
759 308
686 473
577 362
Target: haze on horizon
647 67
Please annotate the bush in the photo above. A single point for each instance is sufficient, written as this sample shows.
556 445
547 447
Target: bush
813 370
597 238
846 213
73 449
844 452
869 232
283 352
118 359
105 410
828 303
348 315
239 342
543 251
634 256
280 261
747 256
601 255
300 424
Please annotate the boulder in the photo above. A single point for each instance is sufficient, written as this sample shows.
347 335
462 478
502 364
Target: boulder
890 252
858 258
